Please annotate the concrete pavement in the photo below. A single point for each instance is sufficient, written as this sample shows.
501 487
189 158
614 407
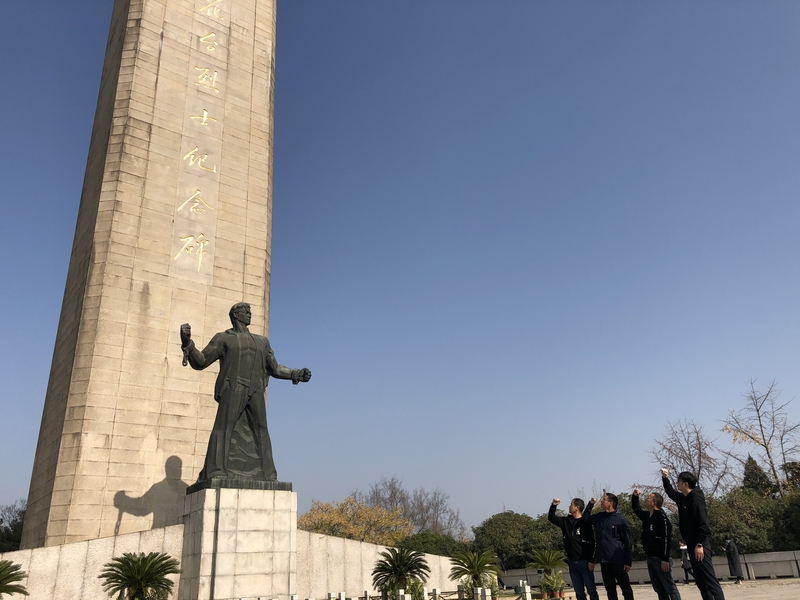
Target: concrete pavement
762 589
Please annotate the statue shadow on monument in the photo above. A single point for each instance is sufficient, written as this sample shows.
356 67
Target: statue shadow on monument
164 500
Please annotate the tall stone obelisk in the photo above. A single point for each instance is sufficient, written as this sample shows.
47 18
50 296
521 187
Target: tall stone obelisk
174 224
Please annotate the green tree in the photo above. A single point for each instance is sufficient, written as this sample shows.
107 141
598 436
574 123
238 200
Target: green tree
509 535
433 543
755 478
792 470
355 520
10 576
785 535
11 518
744 515
480 569
399 569
545 536
139 576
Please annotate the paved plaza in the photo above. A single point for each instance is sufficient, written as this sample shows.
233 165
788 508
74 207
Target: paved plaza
780 589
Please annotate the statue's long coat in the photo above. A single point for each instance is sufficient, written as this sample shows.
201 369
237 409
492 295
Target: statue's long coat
239 444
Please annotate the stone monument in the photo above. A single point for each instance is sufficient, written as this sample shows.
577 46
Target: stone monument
174 226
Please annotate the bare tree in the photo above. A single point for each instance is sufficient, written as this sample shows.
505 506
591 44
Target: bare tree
425 511
11 517
685 446
387 493
764 423
431 512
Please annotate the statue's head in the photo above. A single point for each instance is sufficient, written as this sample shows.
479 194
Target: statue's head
240 312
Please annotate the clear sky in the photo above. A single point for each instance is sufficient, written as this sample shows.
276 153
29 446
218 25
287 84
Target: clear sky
511 239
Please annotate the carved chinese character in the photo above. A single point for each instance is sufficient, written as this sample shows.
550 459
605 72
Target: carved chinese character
212 9
204 118
199 205
196 246
209 41
198 160
207 79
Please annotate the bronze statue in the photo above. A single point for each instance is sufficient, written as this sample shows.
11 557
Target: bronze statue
239 446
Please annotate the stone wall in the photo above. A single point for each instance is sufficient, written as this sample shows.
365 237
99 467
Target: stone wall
327 564
70 571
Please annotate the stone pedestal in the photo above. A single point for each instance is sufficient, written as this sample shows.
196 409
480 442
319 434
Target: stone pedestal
239 544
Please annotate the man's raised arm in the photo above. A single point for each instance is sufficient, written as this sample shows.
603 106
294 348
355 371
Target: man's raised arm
637 507
551 514
671 491
587 511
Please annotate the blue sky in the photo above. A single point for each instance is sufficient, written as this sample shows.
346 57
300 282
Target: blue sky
511 239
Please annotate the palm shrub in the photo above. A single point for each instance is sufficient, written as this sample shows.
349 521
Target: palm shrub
547 560
552 582
414 589
400 569
478 569
558 582
139 576
10 575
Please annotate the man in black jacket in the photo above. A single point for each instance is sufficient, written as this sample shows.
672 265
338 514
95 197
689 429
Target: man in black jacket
612 534
578 545
656 538
693 523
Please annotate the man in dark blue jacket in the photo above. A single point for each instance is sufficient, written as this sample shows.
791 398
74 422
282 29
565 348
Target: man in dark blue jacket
656 538
578 545
612 535
693 523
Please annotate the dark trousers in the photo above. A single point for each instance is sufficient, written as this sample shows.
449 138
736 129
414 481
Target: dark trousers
687 570
705 578
662 582
614 575
582 577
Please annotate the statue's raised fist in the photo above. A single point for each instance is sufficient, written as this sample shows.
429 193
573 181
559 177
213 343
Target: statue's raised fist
186 333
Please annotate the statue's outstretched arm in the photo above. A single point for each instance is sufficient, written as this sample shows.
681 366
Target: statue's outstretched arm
280 372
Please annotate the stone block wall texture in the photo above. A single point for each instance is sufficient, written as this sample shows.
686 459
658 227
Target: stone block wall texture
324 563
239 544
174 226
69 571
327 564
